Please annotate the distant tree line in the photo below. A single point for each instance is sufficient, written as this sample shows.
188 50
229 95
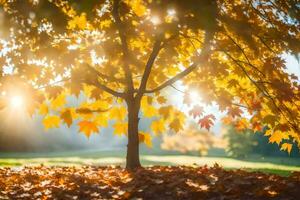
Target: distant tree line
245 143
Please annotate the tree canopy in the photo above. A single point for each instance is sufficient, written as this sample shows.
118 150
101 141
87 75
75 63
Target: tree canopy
122 54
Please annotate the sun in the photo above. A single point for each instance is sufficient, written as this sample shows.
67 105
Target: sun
155 20
16 101
194 95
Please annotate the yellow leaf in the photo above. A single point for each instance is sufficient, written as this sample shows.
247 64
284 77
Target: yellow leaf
286 147
43 109
165 111
120 128
172 71
88 127
158 126
101 120
149 111
118 113
105 23
147 108
59 101
87 90
268 132
138 7
278 136
78 21
101 105
66 116
161 100
145 138
176 125
51 122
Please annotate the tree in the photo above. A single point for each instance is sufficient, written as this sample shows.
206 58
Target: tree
122 54
239 144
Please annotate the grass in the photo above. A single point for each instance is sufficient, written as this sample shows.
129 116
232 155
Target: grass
280 166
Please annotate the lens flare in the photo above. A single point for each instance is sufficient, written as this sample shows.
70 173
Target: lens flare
16 102
155 20
171 12
194 95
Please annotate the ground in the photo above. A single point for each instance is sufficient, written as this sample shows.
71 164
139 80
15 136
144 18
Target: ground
177 182
97 175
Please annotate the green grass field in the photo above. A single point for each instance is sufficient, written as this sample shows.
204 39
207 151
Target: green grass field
281 166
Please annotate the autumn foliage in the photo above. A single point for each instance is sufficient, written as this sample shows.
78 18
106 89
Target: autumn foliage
117 57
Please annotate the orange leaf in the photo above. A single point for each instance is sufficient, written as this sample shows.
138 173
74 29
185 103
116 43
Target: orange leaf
207 121
235 112
286 147
87 127
66 116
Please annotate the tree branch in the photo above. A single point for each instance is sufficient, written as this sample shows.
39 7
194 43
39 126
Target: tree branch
155 51
120 27
54 83
174 79
106 89
103 76
202 58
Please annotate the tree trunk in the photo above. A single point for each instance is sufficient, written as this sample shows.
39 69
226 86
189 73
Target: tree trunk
132 158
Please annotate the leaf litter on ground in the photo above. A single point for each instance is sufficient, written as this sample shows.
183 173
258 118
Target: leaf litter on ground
157 182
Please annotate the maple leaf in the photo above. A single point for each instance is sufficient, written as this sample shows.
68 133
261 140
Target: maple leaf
54 91
233 83
196 111
161 100
120 128
158 126
286 147
101 120
43 109
145 138
78 21
118 113
235 112
256 126
96 93
227 120
206 121
241 124
165 111
87 127
51 121
277 136
255 104
59 101
66 116
176 125
148 109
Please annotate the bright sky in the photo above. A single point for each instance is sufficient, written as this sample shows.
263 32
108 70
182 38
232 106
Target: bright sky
292 64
